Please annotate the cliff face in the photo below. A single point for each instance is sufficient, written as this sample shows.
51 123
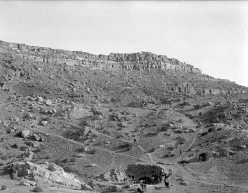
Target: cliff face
172 75
134 61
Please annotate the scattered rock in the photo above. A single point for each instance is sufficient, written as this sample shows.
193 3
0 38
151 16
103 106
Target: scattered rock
27 183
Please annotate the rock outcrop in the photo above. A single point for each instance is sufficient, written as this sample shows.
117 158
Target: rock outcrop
133 61
177 76
48 172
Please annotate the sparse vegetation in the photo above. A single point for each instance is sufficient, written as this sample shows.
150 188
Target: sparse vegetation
95 117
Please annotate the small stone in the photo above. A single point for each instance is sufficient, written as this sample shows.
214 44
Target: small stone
49 102
29 156
51 167
85 187
25 133
30 98
88 90
161 146
92 165
86 130
81 155
37 137
36 144
44 123
11 131
123 124
184 183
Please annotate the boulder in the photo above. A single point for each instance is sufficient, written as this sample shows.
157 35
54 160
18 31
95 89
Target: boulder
43 172
26 182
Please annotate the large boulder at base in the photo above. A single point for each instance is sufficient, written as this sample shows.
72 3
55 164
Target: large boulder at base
43 172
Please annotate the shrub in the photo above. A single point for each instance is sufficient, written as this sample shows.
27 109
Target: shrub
4 187
203 156
91 151
37 189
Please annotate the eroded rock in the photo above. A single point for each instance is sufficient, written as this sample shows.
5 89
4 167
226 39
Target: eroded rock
56 175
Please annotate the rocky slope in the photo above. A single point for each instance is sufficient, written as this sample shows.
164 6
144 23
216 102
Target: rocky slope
177 76
138 61
76 122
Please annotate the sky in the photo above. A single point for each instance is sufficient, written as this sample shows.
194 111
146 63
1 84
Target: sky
210 35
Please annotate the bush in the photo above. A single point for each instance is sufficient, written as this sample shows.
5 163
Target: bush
37 189
203 156
4 187
51 167
91 151
81 150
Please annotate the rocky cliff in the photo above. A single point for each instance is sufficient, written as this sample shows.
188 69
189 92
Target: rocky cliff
170 74
136 61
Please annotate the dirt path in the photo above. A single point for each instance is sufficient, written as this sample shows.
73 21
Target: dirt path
151 158
79 143
99 133
187 170
193 141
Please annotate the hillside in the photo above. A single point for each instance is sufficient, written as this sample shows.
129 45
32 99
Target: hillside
71 120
